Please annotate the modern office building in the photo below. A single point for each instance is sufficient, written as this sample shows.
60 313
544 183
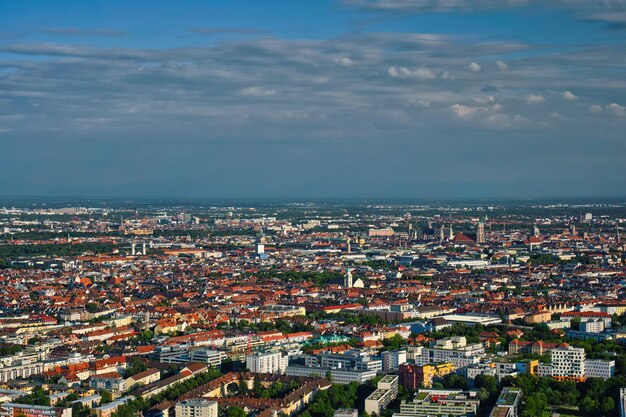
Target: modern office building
337 375
211 357
429 402
568 363
353 359
599 368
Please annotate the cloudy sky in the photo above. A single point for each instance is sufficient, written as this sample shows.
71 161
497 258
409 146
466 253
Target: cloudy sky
317 98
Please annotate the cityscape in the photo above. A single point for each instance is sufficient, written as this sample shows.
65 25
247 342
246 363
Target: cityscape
312 309
312 208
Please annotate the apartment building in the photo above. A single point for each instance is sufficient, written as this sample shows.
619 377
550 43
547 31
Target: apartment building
196 408
28 410
386 391
25 370
508 403
393 359
267 363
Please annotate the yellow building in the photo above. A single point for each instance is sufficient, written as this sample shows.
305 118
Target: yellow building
430 372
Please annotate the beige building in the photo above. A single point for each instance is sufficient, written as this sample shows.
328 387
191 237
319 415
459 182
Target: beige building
386 391
196 408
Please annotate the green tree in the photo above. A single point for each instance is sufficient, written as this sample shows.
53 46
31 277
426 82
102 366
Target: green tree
106 397
234 411
535 405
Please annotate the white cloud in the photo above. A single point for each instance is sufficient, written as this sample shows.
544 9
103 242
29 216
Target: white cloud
257 92
420 73
345 61
595 108
502 65
463 111
535 99
568 95
474 67
617 109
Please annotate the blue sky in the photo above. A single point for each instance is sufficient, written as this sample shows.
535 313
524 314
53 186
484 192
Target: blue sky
337 98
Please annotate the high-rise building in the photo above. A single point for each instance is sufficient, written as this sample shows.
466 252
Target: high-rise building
480 233
267 363
392 359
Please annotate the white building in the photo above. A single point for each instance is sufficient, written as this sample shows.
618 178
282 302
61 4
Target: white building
592 326
337 376
568 363
599 368
386 391
267 363
393 359
622 402
196 408
454 350
9 373
212 358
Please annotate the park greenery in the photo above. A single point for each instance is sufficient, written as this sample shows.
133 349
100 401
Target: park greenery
10 253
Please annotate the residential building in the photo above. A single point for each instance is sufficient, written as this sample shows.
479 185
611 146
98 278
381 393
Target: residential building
508 403
197 407
392 359
386 391
592 326
28 410
267 363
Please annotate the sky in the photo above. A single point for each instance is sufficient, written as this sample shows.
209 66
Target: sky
411 99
